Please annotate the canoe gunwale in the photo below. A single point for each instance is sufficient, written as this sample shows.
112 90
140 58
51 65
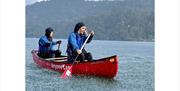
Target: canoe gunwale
95 60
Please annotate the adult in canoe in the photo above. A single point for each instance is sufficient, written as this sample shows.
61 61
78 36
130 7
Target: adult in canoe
46 45
75 42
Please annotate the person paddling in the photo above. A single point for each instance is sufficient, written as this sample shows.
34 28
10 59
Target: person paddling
46 45
75 41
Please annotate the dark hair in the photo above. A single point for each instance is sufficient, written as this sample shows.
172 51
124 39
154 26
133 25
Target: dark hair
48 31
78 26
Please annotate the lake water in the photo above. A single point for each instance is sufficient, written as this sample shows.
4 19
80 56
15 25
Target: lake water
135 73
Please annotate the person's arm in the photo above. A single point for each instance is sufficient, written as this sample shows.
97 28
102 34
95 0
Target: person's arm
44 42
73 42
54 43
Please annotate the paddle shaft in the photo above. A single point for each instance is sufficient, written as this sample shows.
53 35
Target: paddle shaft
58 46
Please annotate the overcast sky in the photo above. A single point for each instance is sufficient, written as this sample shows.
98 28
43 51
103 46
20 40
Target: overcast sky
28 2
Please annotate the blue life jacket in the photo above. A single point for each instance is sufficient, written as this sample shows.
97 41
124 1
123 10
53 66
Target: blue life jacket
45 45
75 42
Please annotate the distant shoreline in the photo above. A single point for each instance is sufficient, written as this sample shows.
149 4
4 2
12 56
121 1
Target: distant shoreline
101 39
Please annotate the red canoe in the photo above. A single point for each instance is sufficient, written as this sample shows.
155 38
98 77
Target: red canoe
105 67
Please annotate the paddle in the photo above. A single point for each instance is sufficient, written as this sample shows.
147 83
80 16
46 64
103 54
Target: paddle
68 72
58 46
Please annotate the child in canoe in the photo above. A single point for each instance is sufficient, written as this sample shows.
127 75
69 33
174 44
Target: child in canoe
46 45
75 41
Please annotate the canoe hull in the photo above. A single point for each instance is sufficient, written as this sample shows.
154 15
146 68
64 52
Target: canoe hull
105 67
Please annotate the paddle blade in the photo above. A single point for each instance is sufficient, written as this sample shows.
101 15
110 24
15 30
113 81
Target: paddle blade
66 73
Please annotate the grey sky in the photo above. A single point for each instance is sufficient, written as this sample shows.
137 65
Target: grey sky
28 2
